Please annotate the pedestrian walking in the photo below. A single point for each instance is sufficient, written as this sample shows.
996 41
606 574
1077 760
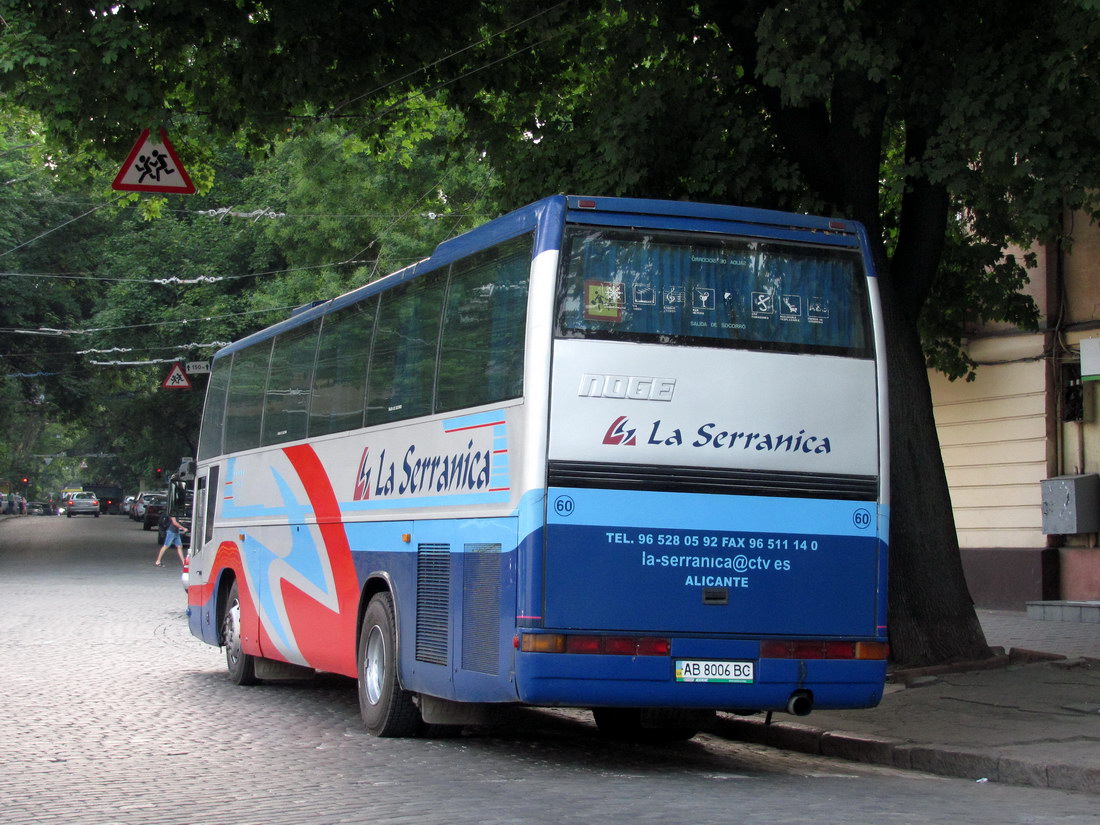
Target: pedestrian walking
173 531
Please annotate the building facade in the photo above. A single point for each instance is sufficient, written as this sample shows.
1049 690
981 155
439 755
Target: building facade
1026 418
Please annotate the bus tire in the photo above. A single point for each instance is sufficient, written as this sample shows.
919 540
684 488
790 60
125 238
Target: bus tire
387 708
625 724
241 665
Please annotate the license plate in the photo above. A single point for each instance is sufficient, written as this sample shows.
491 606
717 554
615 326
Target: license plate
700 670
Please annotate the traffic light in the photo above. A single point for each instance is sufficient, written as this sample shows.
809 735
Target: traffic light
160 473
24 479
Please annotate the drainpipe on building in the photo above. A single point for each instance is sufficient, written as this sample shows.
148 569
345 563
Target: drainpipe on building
1054 346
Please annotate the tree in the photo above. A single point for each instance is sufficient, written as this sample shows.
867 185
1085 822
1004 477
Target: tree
925 122
38 378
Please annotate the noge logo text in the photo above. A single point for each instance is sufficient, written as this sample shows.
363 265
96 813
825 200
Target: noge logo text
637 387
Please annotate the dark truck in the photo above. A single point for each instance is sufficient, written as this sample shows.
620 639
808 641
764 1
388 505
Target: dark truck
109 495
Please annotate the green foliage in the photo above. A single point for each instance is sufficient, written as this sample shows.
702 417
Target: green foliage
356 210
38 380
976 283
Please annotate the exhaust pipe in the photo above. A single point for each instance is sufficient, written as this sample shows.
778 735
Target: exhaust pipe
800 703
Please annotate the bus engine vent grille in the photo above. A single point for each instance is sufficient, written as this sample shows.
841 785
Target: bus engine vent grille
717 480
433 602
481 574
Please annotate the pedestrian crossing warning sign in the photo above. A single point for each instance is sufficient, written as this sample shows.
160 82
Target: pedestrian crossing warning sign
153 167
176 379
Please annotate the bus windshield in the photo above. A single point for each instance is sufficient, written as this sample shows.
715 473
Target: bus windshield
698 290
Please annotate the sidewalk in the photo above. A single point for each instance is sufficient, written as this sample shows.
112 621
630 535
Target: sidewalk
1032 719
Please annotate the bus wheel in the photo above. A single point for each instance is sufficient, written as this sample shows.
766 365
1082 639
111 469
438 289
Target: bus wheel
241 665
626 724
387 708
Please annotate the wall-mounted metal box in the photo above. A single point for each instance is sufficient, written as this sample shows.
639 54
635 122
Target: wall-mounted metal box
1071 504
1090 359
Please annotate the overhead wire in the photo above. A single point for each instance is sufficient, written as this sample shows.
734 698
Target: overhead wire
73 276
60 226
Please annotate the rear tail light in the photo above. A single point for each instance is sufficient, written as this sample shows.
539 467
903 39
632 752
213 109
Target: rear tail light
542 643
657 646
794 649
606 645
582 644
872 650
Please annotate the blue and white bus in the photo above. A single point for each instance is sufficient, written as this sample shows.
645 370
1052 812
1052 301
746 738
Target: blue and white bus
626 455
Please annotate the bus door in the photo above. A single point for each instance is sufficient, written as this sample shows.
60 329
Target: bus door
201 598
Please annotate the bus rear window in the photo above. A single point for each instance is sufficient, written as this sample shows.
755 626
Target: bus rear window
709 291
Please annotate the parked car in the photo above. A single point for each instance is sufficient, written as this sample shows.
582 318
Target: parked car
36 508
127 503
137 510
82 504
154 507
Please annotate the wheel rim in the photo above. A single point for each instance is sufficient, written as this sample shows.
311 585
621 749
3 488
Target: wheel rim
374 665
232 632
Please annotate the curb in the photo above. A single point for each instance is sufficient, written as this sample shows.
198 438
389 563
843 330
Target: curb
998 659
961 763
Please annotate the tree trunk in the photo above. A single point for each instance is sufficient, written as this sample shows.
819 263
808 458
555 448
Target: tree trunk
932 618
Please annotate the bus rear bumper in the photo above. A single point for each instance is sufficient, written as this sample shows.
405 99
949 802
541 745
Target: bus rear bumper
568 680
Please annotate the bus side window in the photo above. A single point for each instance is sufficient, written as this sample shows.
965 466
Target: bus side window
213 415
340 381
481 354
402 364
198 523
246 397
211 505
289 381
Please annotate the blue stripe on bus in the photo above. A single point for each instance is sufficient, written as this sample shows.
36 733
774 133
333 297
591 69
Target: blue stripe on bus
762 514
466 422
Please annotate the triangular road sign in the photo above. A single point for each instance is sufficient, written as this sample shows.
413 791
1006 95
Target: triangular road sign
176 379
153 167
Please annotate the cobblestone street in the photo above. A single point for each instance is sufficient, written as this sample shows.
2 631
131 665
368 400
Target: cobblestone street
113 713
